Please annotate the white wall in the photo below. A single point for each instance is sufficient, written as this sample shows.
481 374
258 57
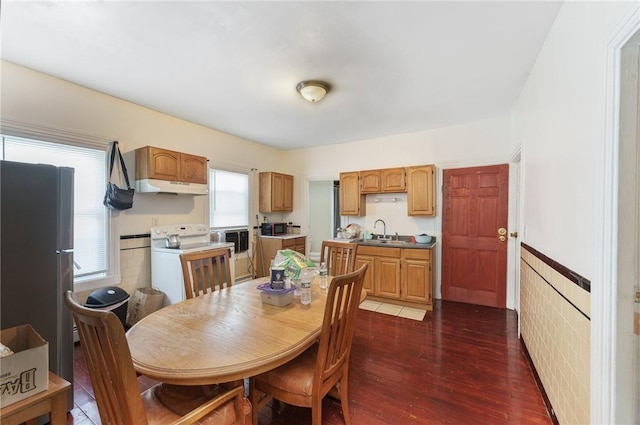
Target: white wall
469 144
561 122
35 98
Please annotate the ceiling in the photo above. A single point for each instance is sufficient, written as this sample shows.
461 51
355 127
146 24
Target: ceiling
394 67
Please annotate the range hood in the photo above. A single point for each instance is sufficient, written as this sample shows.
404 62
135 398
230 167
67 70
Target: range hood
175 187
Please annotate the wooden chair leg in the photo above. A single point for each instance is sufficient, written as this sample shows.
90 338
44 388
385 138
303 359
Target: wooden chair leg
316 410
344 399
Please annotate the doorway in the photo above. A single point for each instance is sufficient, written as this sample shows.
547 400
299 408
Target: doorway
324 212
474 235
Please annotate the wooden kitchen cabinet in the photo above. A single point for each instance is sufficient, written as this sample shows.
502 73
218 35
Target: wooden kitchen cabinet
384 180
193 168
370 181
393 180
352 201
275 192
387 277
421 190
383 275
298 244
368 276
416 275
270 245
165 164
399 275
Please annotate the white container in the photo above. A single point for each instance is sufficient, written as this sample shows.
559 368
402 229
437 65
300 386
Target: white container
279 299
423 238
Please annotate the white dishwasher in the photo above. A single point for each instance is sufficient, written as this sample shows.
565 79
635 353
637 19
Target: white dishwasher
166 271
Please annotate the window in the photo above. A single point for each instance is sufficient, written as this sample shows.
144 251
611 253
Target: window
95 239
228 199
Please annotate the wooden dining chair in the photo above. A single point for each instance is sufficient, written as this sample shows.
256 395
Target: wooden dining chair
115 385
339 257
307 379
203 271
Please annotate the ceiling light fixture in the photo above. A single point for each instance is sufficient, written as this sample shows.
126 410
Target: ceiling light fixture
312 90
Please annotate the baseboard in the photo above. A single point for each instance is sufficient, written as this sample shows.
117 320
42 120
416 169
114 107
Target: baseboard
545 398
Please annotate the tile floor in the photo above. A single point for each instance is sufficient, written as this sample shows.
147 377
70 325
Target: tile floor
393 310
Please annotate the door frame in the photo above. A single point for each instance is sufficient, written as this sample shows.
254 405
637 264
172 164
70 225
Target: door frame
605 348
513 253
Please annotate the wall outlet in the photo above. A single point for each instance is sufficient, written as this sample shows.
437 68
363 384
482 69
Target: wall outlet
155 222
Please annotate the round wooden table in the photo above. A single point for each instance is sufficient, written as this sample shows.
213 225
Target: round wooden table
227 335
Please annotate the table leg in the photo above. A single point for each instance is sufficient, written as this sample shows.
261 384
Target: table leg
59 409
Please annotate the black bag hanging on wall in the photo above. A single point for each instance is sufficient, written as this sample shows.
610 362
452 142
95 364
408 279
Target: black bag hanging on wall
116 198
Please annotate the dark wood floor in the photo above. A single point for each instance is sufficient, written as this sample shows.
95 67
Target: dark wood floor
463 364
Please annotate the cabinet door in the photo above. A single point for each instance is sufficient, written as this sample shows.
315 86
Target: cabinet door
393 180
421 188
416 278
193 168
301 245
277 192
387 277
370 181
351 201
163 164
266 249
287 192
368 284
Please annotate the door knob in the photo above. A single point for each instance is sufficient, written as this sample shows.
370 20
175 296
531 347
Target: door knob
502 231
502 238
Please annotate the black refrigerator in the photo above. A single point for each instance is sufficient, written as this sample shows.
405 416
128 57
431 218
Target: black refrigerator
36 256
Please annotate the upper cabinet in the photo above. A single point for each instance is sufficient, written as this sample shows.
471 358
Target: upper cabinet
370 181
352 200
421 188
164 164
385 180
417 181
275 192
193 168
393 180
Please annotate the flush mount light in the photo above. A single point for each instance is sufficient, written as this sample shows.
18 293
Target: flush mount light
312 90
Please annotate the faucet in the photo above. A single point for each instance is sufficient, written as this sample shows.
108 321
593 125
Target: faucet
384 228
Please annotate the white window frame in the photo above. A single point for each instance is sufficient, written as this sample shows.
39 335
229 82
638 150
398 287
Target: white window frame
46 134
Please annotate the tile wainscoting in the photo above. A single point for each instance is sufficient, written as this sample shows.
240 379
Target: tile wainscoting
555 327
135 262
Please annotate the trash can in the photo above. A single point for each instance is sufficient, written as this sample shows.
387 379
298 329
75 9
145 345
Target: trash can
110 298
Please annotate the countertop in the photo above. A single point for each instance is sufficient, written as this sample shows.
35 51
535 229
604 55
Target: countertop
287 236
403 242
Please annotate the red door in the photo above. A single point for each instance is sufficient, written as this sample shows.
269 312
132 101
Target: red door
474 223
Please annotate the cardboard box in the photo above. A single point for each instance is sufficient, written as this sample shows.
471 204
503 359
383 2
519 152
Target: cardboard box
26 371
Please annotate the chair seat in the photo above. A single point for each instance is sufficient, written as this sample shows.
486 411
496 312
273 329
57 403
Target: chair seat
167 403
295 377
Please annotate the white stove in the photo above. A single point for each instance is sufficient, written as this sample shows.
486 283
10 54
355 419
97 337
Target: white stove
166 271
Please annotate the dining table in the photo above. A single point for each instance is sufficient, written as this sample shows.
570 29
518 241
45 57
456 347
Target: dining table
225 335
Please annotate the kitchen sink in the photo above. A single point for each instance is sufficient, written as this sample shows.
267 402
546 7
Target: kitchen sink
384 242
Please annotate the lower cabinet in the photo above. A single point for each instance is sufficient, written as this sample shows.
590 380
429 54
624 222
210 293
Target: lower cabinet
416 275
268 246
402 275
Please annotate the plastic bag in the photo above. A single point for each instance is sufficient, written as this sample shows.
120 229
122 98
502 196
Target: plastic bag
293 263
